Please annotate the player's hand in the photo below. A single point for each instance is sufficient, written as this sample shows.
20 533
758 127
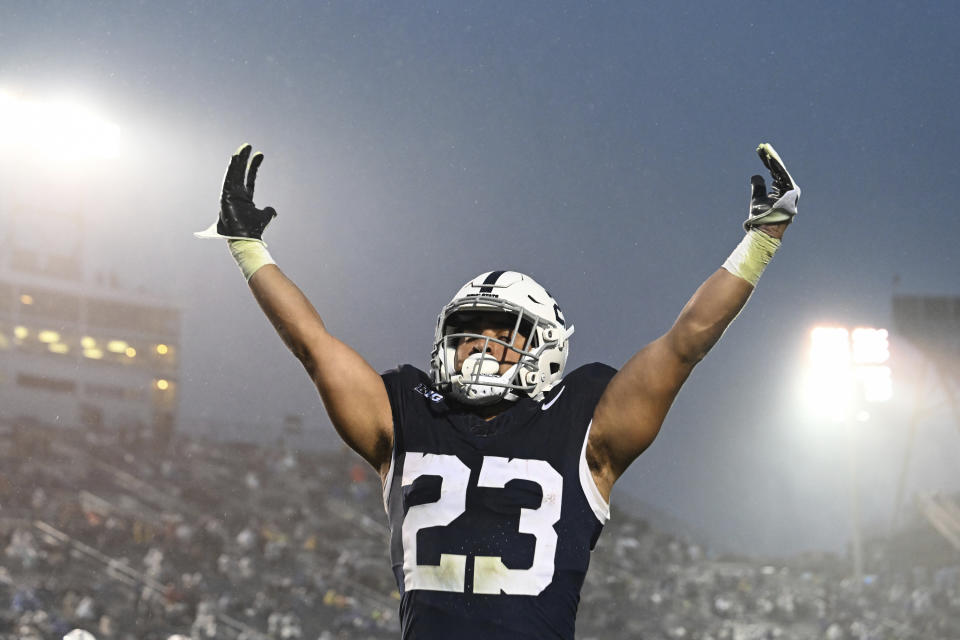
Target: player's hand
780 205
239 217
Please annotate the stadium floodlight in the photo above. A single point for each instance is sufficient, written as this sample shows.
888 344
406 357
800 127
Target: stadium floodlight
870 346
64 128
871 353
828 384
847 369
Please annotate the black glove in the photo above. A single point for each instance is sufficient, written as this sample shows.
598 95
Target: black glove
239 217
780 205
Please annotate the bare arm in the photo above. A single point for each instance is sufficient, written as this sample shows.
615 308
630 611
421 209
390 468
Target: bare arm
352 391
635 402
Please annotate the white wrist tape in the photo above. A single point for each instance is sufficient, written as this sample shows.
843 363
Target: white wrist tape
752 256
250 256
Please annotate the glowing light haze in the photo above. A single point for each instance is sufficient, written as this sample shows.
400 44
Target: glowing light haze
604 148
57 127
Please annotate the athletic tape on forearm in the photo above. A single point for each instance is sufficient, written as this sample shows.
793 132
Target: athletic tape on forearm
752 256
250 256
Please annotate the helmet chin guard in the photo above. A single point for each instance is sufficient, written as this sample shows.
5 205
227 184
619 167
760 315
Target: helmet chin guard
532 312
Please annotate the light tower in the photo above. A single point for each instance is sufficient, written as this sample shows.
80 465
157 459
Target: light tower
847 372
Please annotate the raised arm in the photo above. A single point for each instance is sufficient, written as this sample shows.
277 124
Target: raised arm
353 393
635 403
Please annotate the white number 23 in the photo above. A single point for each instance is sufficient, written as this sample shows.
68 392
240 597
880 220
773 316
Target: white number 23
490 575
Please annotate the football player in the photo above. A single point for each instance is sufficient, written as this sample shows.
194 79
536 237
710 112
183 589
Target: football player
496 468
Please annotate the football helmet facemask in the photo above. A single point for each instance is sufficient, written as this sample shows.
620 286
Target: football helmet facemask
508 299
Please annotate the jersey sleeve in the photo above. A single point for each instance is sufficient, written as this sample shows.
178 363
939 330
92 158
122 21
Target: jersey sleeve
590 381
404 385
393 381
588 384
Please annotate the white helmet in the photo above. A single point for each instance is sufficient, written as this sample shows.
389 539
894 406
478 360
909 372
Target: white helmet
533 313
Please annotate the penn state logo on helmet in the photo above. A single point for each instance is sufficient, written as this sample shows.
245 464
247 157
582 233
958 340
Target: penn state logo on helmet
532 313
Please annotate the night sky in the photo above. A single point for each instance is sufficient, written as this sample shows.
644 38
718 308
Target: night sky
604 148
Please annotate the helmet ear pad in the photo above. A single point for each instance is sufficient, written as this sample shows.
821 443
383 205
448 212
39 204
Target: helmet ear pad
502 299
554 360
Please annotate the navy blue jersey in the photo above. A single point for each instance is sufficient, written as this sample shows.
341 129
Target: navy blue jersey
492 522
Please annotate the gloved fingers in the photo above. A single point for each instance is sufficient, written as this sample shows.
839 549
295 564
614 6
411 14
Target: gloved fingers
778 206
252 172
237 167
239 218
758 188
771 160
768 155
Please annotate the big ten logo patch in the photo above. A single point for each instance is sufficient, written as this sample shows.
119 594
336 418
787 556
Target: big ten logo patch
428 393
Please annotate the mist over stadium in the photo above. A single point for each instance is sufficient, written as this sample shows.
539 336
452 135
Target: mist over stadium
168 467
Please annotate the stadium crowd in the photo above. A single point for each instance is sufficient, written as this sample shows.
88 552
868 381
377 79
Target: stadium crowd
218 540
